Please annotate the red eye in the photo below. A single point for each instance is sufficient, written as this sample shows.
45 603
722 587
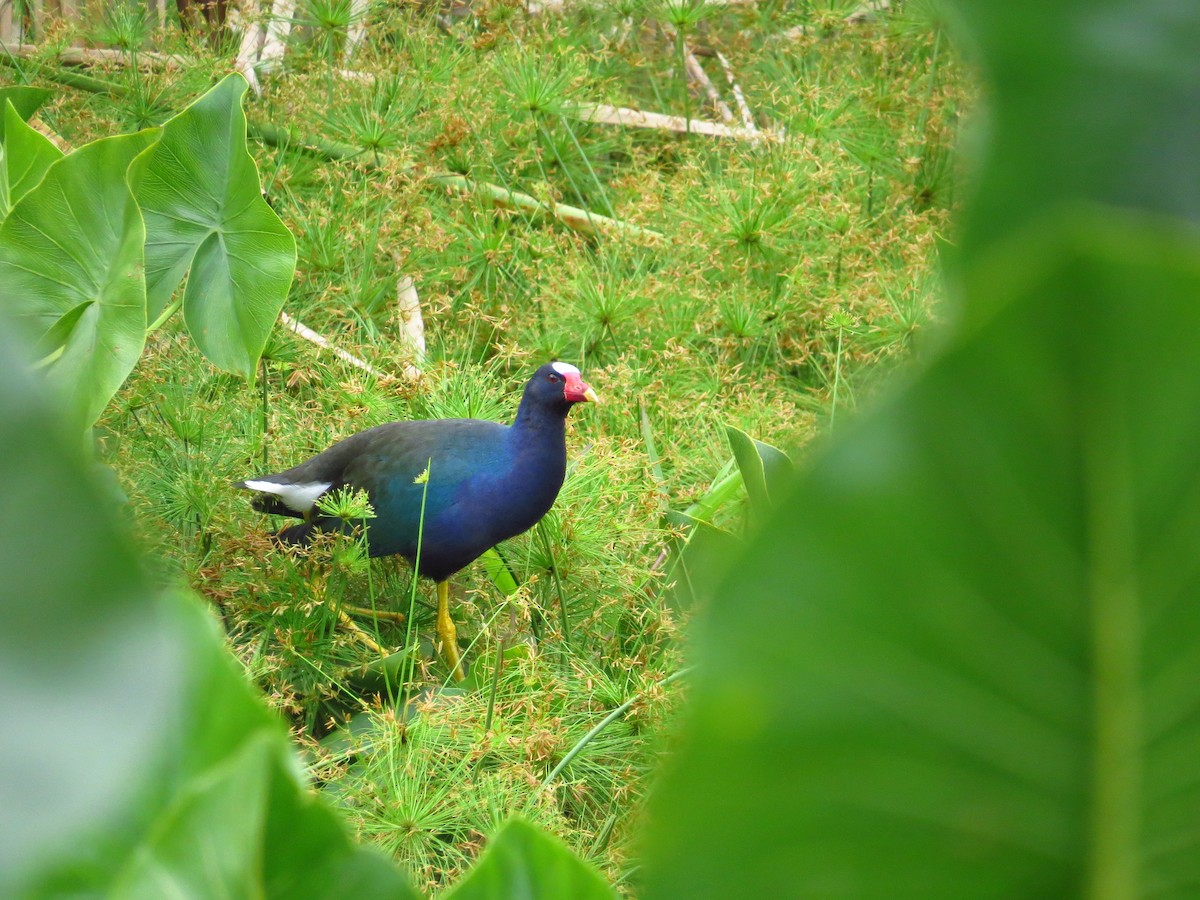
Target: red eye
552 378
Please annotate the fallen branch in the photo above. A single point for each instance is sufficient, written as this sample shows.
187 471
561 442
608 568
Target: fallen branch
858 16
99 56
636 118
279 26
572 216
309 335
254 33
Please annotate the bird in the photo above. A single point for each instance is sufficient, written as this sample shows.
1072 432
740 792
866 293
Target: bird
443 491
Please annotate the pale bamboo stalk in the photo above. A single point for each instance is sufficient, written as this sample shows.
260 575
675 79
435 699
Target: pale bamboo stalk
37 17
98 56
358 27
602 114
412 324
279 27
867 11
254 34
572 216
739 98
6 21
308 334
696 73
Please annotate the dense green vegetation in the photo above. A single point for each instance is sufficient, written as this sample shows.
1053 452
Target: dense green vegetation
779 275
956 660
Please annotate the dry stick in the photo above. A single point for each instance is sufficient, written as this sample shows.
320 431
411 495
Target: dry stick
738 97
373 613
697 74
572 216
636 118
858 16
868 11
309 335
362 636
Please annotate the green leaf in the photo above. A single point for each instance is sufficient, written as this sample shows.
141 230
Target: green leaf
26 100
976 616
25 157
71 270
762 466
524 863
143 764
498 571
199 191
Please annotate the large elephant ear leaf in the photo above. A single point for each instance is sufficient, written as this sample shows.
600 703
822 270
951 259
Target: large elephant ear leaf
199 191
143 764
25 155
71 270
976 614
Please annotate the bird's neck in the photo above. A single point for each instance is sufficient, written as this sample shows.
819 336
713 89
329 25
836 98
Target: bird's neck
539 423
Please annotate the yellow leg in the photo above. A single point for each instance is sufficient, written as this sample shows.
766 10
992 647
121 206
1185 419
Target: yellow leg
446 632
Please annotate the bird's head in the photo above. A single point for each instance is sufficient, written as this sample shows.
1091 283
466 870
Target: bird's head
560 382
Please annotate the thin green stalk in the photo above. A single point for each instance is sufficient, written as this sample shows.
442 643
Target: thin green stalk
562 602
588 163
265 411
681 53
604 723
412 594
837 378
491 708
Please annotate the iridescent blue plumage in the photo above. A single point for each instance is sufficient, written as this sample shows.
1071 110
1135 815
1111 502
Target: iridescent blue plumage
487 482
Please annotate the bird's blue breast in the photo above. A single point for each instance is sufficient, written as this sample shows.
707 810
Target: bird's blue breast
483 487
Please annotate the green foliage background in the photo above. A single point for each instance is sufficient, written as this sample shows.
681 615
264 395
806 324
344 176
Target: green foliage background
957 659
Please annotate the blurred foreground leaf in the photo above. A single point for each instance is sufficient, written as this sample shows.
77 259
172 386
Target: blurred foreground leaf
137 761
524 863
977 616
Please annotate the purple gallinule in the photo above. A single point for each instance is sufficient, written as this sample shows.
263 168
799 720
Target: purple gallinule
487 482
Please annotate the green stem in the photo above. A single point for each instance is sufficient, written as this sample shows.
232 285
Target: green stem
487 722
681 52
562 602
172 308
604 723
837 380
412 594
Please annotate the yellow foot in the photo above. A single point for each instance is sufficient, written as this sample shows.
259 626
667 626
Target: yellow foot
446 632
